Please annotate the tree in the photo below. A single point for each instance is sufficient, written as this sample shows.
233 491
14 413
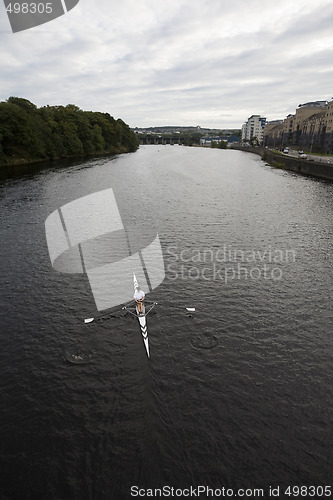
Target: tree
21 129
192 138
59 131
223 144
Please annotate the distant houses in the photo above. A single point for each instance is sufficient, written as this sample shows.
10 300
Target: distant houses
227 139
310 128
188 136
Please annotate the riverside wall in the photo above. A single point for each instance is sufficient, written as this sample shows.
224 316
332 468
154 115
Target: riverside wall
304 167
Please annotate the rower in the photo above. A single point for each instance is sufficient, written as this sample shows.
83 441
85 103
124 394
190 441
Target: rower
139 297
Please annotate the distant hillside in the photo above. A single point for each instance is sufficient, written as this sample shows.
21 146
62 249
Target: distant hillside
28 133
168 129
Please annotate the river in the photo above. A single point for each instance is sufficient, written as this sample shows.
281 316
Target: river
237 394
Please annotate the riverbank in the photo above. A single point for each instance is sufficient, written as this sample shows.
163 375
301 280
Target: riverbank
51 133
299 165
21 161
23 166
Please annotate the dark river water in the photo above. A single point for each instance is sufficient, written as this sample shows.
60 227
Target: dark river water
236 395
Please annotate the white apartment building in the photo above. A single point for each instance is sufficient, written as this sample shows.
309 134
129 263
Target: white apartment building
254 127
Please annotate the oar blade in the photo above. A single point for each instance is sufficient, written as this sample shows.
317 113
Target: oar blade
89 320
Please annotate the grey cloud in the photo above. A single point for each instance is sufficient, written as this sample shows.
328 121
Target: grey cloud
178 62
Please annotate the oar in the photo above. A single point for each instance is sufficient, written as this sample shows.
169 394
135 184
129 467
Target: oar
90 320
189 309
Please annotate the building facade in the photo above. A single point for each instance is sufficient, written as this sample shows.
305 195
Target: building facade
303 112
287 134
254 128
273 132
328 137
311 128
313 132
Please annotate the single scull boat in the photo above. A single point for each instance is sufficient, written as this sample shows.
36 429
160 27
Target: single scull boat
142 317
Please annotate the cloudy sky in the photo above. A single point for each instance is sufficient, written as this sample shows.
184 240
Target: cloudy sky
168 62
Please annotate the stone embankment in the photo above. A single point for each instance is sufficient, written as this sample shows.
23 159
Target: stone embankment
288 162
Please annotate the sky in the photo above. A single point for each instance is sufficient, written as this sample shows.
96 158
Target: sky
168 62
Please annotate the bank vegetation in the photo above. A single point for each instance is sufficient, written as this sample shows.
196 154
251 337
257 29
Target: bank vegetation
28 133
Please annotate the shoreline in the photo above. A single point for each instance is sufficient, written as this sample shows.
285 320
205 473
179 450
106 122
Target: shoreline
298 165
22 166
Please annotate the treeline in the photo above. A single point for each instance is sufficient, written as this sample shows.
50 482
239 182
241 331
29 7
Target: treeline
28 133
220 145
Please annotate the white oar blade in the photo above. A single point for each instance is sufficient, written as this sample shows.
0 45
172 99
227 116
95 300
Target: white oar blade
190 309
89 320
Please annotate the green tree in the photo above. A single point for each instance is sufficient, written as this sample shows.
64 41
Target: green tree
191 138
59 131
21 129
99 143
70 139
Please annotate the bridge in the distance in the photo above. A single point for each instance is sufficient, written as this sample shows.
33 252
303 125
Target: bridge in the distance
160 139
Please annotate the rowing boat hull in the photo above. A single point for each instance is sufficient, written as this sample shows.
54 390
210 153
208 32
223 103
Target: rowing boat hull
144 332
142 322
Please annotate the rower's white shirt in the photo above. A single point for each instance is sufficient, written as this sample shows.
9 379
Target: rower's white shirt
139 295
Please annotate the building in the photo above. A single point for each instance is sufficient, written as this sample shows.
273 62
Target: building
328 137
273 133
313 132
303 112
310 128
254 128
208 141
287 133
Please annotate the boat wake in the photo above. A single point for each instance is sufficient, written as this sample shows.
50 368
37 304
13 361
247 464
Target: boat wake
204 341
77 358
